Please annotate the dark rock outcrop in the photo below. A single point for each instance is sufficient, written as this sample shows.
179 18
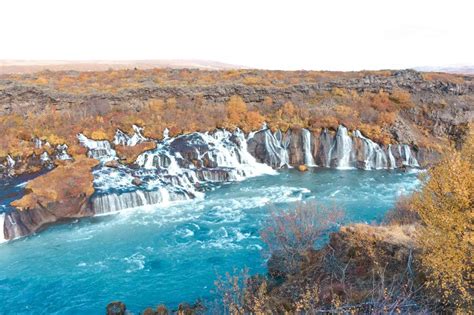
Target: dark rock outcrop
116 308
19 223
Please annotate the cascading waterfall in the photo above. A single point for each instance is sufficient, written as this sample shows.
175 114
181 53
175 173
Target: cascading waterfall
113 202
308 155
175 170
61 152
44 157
10 162
183 167
391 158
166 133
341 150
375 157
97 149
121 138
278 153
324 150
405 152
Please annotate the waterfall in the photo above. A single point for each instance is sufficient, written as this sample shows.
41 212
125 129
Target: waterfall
2 228
277 153
324 151
375 157
38 143
175 170
408 159
97 149
341 150
113 202
10 162
137 136
308 156
166 133
44 157
61 152
393 164
121 138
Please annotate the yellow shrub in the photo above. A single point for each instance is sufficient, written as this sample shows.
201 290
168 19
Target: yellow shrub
99 134
446 207
236 110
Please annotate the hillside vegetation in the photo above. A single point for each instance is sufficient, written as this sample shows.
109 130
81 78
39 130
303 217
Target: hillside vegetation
426 110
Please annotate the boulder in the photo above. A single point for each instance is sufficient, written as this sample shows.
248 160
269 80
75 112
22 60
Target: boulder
112 164
302 168
116 308
187 309
137 181
161 310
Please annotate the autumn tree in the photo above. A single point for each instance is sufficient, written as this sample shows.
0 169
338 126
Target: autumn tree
236 110
254 120
402 98
446 208
156 105
288 110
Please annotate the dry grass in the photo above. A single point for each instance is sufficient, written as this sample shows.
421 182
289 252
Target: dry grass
129 154
402 235
66 181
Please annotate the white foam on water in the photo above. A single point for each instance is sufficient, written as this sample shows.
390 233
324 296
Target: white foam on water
335 193
136 262
166 176
254 247
179 166
184 233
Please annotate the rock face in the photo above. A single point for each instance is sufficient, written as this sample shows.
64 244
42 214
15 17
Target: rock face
25 222
59 195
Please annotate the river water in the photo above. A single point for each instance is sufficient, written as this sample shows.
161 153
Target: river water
153 255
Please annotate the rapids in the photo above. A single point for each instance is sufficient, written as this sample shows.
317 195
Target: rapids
172 252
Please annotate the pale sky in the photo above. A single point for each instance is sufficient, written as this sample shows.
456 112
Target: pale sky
320 35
